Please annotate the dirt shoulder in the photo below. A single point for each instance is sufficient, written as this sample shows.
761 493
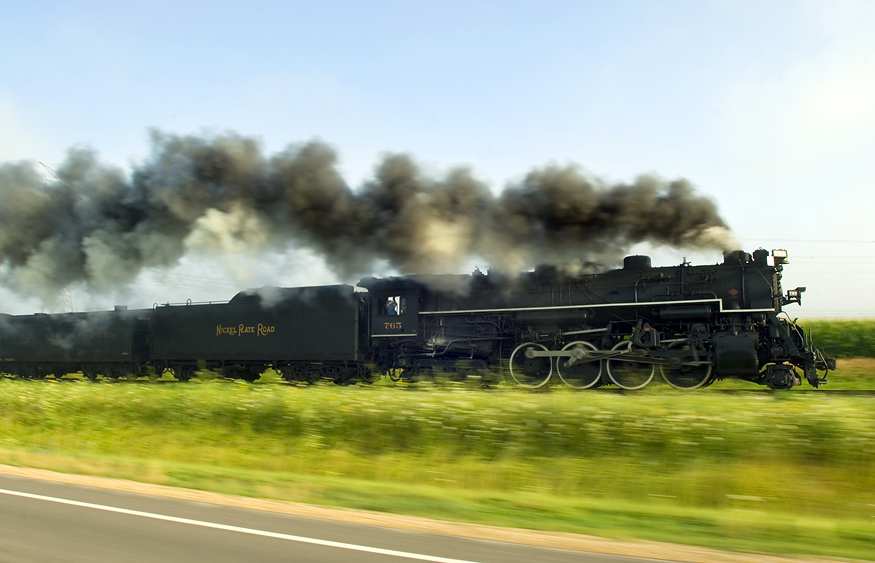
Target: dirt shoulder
654 550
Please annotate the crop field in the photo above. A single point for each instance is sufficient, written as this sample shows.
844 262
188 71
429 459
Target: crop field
784 472
843 338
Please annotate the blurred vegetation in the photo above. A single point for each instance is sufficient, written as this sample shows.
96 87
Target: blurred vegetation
843 338
773 471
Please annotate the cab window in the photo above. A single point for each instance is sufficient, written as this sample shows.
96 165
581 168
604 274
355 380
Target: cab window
391 306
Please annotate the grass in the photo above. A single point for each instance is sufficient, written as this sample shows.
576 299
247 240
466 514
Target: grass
741 527
782 472
852 374
843 338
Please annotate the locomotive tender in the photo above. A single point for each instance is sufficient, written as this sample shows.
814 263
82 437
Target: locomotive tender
691 324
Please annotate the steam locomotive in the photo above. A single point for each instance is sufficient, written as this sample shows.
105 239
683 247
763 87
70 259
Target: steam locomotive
691 324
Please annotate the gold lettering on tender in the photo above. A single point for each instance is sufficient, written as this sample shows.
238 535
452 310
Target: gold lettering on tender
241 329
229 330
264 330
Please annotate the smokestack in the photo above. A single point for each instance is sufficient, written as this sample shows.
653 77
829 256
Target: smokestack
214 195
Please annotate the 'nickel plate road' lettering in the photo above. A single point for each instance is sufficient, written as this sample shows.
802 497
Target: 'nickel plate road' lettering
240 330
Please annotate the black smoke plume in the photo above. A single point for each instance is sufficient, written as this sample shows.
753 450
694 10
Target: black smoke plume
98 227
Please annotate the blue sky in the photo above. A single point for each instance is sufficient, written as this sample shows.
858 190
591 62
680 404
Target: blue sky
768 108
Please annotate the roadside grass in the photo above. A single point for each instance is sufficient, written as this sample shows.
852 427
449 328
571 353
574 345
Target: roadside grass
779 472
742 527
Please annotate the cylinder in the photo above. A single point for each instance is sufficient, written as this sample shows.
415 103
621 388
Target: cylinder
736 354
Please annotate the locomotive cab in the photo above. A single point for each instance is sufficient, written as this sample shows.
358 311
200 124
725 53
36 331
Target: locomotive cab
394 307
394 315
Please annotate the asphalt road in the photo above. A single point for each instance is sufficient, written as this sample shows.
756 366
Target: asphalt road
44 521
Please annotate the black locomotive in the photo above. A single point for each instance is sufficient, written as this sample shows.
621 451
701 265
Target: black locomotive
692 324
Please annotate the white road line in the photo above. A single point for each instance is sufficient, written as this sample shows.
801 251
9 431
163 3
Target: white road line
300 539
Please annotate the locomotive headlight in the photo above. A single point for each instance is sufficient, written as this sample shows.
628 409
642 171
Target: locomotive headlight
780 256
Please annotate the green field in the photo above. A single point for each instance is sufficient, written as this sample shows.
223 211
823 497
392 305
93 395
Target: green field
788 472
734 466
843 338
